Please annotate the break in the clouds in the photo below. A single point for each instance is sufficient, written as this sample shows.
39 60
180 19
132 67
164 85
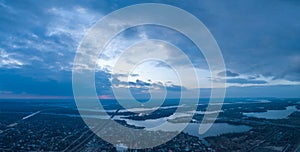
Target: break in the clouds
9 60
259 40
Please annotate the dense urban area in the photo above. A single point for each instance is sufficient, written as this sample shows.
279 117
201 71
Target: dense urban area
46 125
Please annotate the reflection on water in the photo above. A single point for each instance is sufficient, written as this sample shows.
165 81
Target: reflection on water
216 129
273 114
192 128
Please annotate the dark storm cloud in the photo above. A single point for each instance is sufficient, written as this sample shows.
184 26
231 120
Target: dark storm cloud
18 84
134 75
139 83
245 81
256 37
146 85
279 91
228 74
176 88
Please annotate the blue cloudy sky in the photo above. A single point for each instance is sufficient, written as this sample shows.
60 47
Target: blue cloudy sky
259 40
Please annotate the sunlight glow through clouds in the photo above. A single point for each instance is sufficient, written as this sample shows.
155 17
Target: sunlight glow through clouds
40 42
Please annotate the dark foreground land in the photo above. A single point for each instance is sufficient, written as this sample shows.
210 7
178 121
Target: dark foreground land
55 126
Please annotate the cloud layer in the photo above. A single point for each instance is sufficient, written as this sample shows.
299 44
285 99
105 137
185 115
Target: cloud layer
259 40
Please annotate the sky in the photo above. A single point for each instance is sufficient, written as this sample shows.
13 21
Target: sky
259 41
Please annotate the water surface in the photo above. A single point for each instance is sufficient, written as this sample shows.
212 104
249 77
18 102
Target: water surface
273 114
